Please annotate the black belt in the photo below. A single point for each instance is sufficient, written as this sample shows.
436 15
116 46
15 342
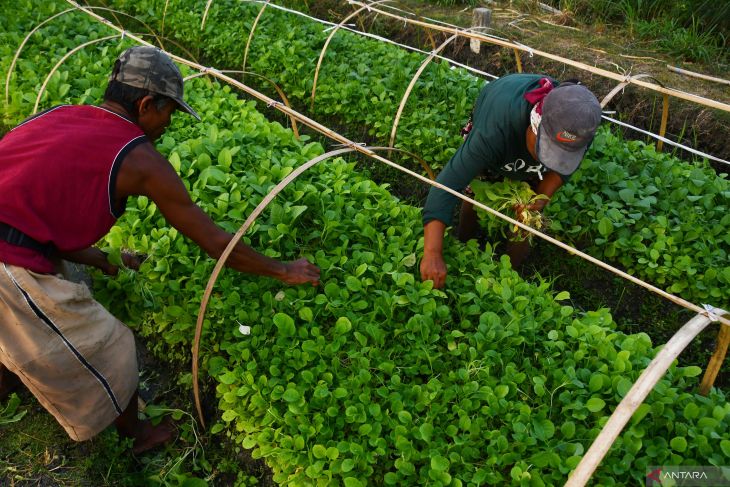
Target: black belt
13 236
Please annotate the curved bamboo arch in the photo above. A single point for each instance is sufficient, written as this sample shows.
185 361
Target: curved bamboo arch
624 84
250 35
426 167
205 14
227 252
635 397
62 60
366 151
665 103
329 39
164 14
241 231
37 27
413 83
20 48
281 93
176 44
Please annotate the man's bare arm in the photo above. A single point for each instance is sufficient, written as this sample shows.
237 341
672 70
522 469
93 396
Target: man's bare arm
146 172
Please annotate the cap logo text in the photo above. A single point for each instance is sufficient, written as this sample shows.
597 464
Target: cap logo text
565 136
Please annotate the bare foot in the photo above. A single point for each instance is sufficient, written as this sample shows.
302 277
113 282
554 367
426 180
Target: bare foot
150 436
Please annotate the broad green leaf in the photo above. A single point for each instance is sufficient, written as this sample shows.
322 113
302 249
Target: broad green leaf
439 463
285 324
544 428
343 325
605 227
319 451
291 395
595 404
678 443
562 296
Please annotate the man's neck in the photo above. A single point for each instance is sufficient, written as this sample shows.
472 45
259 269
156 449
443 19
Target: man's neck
117 108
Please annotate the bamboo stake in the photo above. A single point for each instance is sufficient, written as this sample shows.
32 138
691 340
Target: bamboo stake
227 252
716 361
250 36
327 43
62 60
518 60
403 102
52 17
599 71
431 39
281 93
663 126
634 398
366 151
205 14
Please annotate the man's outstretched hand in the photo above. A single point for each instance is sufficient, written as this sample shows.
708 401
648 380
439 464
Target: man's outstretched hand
433 267
301 272
130 261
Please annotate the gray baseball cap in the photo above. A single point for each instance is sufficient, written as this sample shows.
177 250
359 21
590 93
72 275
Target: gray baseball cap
570 116
149 68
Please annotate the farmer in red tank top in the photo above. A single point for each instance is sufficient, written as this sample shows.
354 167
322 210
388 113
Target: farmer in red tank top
65 176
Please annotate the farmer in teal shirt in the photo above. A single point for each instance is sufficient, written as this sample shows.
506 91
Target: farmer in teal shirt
525 127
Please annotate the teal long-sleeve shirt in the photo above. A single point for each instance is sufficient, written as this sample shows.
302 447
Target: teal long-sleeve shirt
496 144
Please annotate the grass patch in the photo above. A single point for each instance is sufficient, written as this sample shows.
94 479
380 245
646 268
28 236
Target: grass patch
36 451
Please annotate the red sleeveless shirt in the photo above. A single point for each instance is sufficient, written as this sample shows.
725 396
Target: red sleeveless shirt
58 177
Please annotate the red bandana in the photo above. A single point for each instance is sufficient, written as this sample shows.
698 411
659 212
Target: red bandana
537 96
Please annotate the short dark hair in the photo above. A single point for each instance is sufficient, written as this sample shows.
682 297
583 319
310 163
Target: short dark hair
128 96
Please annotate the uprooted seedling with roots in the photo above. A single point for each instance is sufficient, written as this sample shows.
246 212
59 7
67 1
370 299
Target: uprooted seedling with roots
506 197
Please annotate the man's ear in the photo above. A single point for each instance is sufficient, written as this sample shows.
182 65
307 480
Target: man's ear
144 104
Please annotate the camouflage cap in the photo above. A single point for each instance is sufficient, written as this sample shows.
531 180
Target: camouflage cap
149 68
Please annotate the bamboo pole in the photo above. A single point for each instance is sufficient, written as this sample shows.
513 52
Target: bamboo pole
634 398
227 252
403 102
697 75
250 36
585 67
366 151
278 89
52 17
327 43
62 60
716 361
663 126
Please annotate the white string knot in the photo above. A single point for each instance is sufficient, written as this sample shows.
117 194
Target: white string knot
713 312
